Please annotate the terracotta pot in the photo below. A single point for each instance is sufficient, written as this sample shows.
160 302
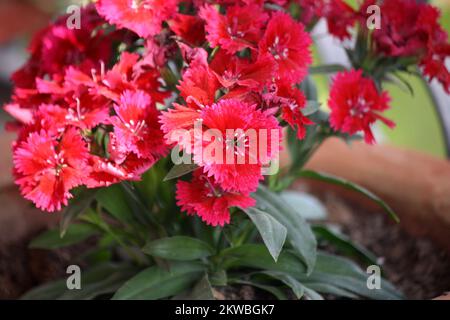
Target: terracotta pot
415 185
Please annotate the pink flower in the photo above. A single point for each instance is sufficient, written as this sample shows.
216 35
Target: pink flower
355 103
289 44
144 17
56 47
292 101
204 197
136 125
235 120
233 71
340 18
47 168
239 28
189 28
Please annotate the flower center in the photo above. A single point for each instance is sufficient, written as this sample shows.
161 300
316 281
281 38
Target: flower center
279 51
360 107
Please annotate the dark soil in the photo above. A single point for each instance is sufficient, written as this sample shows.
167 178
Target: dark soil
22 268
416 266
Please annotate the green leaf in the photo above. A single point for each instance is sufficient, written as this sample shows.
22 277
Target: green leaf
81 201
272 232
347 277
219 278
180 170
276 292
99 280
401 82
52 239
291 282
328 68
156 283
299 233
312 294
310 108
309 88
114 200
308 206
178 248
349 185
257 257
201 291
344 244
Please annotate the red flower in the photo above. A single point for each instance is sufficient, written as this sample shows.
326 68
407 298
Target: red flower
354 102
289 44
189 28
238 29
433 65
340 18
136 125
231 70
292 101
144 17
47 169
199 84
56 47
205 198
407 28
235 121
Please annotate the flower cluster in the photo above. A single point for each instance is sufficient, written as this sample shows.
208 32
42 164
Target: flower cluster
99 105
80 124
408 29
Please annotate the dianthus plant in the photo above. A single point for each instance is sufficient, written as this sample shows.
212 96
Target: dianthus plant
156 129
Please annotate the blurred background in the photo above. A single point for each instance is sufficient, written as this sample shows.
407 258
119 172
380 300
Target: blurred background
418 124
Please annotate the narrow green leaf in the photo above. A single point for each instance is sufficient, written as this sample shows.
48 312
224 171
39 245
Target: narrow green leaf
178 248
52 239
346 275
114 200
81 201
308 206
201 291
310 108
156 283
299 233
328 68
257 257
101 279
312 294
349 185
276 292
291 282
344 244
272 232
180 170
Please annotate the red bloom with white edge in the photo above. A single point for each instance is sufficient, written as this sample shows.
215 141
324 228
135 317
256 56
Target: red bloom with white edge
243 154
144 17
355 103
289 44
47 169
239 28
136 125
204 197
